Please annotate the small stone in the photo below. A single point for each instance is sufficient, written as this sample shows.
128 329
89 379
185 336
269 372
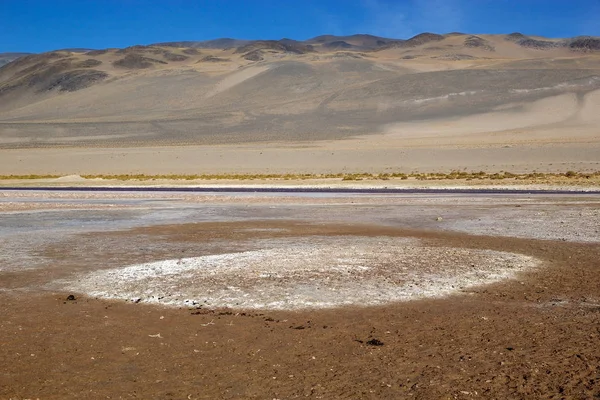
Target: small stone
439 219
71 298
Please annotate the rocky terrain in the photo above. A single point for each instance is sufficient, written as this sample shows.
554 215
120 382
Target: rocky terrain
5 58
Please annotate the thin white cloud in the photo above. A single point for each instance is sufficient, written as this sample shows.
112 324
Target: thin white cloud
403 19
331 24
327 22
387 19
591 23
440 16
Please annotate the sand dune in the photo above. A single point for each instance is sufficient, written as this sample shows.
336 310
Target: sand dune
589 112
542 112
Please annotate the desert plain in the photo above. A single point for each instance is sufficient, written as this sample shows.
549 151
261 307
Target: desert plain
262 295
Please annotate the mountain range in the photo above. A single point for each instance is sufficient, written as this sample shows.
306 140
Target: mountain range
437 88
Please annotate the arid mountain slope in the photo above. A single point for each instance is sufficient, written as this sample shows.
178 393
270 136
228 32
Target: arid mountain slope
441 88
5 58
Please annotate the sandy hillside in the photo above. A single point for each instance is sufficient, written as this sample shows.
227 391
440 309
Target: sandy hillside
436 92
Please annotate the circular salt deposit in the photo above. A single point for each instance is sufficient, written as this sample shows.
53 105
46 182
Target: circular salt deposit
309 273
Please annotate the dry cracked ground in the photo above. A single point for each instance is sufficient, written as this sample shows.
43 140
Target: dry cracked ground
282 296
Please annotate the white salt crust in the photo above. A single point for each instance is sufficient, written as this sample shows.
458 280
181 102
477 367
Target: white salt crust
292 274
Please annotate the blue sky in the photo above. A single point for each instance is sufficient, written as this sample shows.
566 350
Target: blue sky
43 25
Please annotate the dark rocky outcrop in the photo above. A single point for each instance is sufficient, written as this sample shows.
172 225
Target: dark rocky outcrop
537 44
421 39
222 43
89 63
49 71
139 49
338 44
191 51
478 42
585 43
277 45
71 81
526 41
213 59
456 57
361 42
515 36
174 57
255 55
136 61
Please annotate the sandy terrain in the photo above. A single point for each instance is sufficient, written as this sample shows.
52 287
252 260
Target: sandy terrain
182 295
331 157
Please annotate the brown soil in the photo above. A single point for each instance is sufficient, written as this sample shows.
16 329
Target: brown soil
533 338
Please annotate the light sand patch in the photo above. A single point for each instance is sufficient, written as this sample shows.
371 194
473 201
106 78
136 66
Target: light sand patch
70 178
550 110
376 153
298 274
235 79
591 105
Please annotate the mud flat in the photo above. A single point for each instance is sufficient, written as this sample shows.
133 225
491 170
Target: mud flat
262 295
